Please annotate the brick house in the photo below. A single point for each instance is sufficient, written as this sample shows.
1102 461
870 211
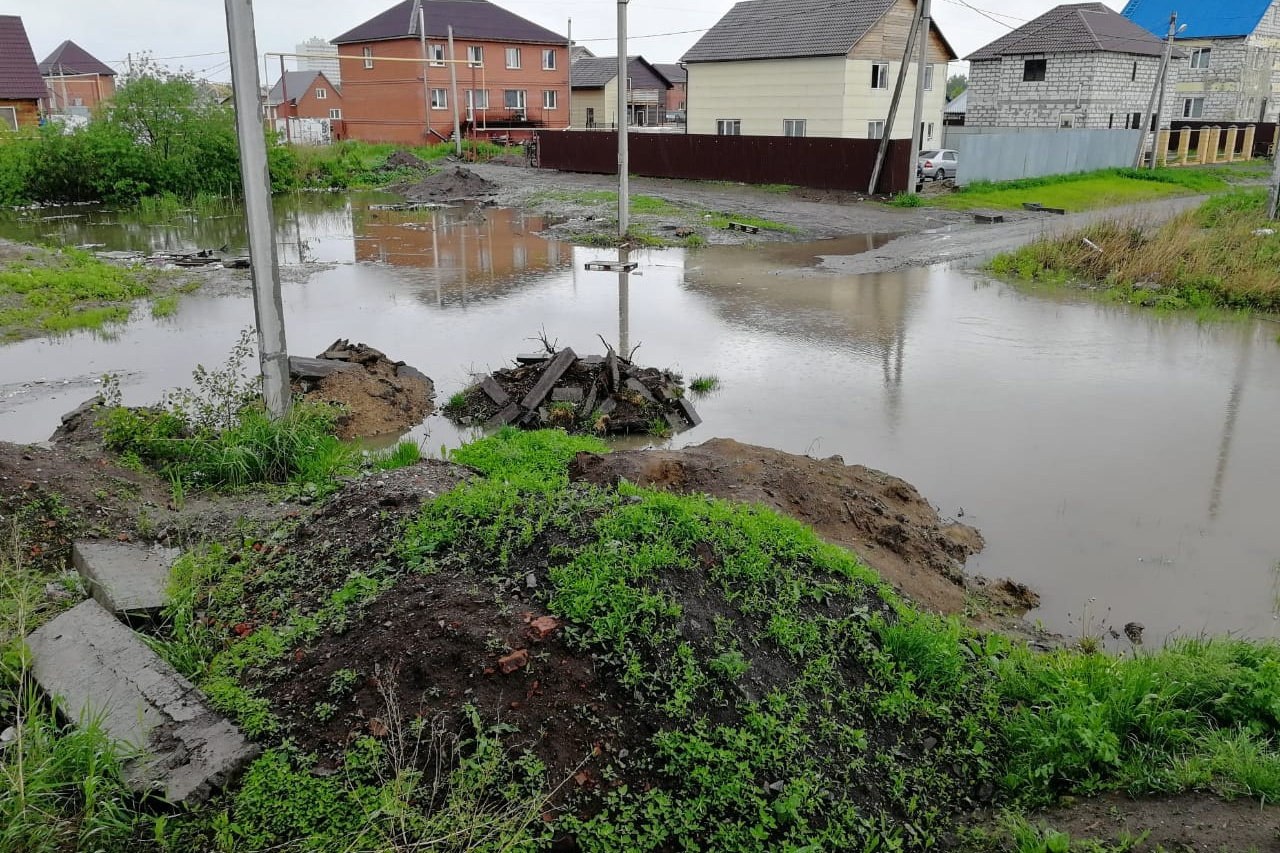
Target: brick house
22 89
679 78
304 94
1230 50
595 92
1076 66
812 68
512 74
77 80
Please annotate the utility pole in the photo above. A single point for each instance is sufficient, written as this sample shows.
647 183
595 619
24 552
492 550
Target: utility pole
453 84
893 103
917 131
268 308
284 102
426 87
1273 194
569 100
624 189
1157 90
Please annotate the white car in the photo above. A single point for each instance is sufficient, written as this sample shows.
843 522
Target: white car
938 164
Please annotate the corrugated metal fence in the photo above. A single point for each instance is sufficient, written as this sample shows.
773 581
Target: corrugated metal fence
1011 156
825 163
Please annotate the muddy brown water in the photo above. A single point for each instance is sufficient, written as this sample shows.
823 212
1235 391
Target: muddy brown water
1122 463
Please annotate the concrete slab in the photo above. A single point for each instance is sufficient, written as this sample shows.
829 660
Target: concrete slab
315 369
96 668
128 580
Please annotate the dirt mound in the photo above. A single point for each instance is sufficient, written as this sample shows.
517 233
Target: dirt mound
882 518
404 160
379 396
447 186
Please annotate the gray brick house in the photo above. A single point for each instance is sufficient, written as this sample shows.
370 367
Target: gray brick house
1227 72
1076 66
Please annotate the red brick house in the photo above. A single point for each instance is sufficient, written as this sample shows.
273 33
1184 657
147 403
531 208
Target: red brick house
513 75
76 78
21 86
304 94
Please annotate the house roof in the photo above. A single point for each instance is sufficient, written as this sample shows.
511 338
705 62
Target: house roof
1074 28
595 72
71 58
1222 18
788 29
296 82
672 71
20 77
470 19
958 105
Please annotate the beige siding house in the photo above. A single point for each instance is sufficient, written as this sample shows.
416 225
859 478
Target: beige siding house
595 92
812 68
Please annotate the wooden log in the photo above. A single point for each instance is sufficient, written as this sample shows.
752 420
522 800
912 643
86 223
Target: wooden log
550 376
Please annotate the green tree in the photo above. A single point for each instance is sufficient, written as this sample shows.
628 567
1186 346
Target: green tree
956 84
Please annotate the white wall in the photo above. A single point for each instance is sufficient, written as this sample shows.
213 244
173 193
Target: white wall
763 93
862 104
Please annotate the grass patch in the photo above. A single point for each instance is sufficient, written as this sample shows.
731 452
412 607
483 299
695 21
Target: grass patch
906 200
353 164
1084 191
164 306
1209 258
704 384
721 219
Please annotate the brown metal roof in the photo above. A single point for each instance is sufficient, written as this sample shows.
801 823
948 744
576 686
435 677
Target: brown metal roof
71 58
471 19
19 75
1075 28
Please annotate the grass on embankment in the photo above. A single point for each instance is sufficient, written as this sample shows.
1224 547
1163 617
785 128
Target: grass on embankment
1085 191
362 165
1206 258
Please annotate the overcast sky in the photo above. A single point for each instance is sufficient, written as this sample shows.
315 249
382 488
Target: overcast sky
661 29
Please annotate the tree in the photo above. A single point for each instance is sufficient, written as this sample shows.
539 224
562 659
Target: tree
956 85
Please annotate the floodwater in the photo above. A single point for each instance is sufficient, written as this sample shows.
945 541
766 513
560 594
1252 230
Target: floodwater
1120 462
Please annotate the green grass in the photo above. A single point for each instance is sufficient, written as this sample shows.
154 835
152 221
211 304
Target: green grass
907 200
353 164
1085 191
164 306
66 291
704 384
403 455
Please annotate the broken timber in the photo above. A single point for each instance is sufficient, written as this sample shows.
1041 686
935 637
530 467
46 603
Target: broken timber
611 266
742 226
550 376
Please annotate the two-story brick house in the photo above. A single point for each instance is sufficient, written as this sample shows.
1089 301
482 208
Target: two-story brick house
595 92
512 74
77 80
1080 65
22 89
304 94
812 68
1230 51
675 72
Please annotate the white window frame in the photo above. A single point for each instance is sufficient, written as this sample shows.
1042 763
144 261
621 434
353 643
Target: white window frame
9 118
435 52
929 131
549 59
791 125
476 99
1201 57
550 99
322 94
335 114
1066 121
521 98
875 129
879 76
728 127
1193 107
513 53
439 99
475 55
928 78
368 57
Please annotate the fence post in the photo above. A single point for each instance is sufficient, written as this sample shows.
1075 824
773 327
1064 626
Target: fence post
1250 133
1160 156
1184 145
1232 134
1215 139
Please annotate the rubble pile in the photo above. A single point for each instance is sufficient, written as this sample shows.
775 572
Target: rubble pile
453 185
377 396
404 160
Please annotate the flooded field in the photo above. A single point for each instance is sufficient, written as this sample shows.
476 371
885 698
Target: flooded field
1119 462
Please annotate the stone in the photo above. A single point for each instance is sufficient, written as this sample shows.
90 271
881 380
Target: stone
312 369
126 579
550 376
504 417
690 413
531 358
514 662
567 394
95 667
494 391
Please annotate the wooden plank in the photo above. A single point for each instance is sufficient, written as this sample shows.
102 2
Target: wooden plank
490 387
550 376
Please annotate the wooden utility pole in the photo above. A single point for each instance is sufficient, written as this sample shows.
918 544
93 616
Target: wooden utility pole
1157 90
897 97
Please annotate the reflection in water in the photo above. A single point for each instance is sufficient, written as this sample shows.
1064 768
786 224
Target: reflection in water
1234 400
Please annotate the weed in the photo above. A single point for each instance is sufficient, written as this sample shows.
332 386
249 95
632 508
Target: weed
65 292
341 682
457 402
704 384
906 200
403 455
659 428
164 306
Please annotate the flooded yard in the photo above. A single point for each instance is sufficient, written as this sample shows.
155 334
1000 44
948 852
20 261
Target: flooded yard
1119 462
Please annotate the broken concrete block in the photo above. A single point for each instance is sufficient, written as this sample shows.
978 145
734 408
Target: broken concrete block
531 358
504 417
566 394
550 376
494 391
127 579
638 387
687 409
96 668
317 368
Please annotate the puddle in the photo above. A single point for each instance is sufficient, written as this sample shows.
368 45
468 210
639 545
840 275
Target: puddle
1108 455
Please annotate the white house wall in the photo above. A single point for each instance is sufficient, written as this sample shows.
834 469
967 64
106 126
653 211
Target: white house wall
764 93
863 105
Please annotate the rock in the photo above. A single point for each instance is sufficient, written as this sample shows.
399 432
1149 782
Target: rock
9 735
514 662
126 579
567 394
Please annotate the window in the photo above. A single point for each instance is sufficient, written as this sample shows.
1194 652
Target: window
1066 121
1111 120
1200 57
729 127
793 127
928 78
513 57
1193 108
591 117
368 57
435 52
335 114
550 99
929 133
1133 121
477 99
475 55
549 59
513 99
9 117
879 75
1033 70
875 130
1134 74
439 99
322 94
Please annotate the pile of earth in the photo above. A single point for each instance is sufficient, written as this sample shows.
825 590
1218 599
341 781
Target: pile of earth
377 396
602 394
460 183
404 160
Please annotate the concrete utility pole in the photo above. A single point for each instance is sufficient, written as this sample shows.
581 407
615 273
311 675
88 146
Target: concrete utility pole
624 164
426 87
1157 90
917 131
268 308
1273 194
569 100
893 103
453 84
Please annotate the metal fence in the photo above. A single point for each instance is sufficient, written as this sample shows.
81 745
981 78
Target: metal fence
1264 138
986 156
824 163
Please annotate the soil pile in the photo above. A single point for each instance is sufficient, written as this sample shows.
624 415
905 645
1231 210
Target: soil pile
404 160
592 394
379 396
453 185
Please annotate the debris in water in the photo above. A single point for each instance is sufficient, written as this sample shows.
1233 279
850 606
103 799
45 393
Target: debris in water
378 396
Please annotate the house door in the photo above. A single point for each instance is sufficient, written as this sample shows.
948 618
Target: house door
591 116
638 116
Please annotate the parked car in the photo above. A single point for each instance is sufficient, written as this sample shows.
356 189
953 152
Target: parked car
938 164
673 117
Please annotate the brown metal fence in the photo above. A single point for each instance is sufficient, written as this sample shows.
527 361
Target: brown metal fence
1264 139
837 164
